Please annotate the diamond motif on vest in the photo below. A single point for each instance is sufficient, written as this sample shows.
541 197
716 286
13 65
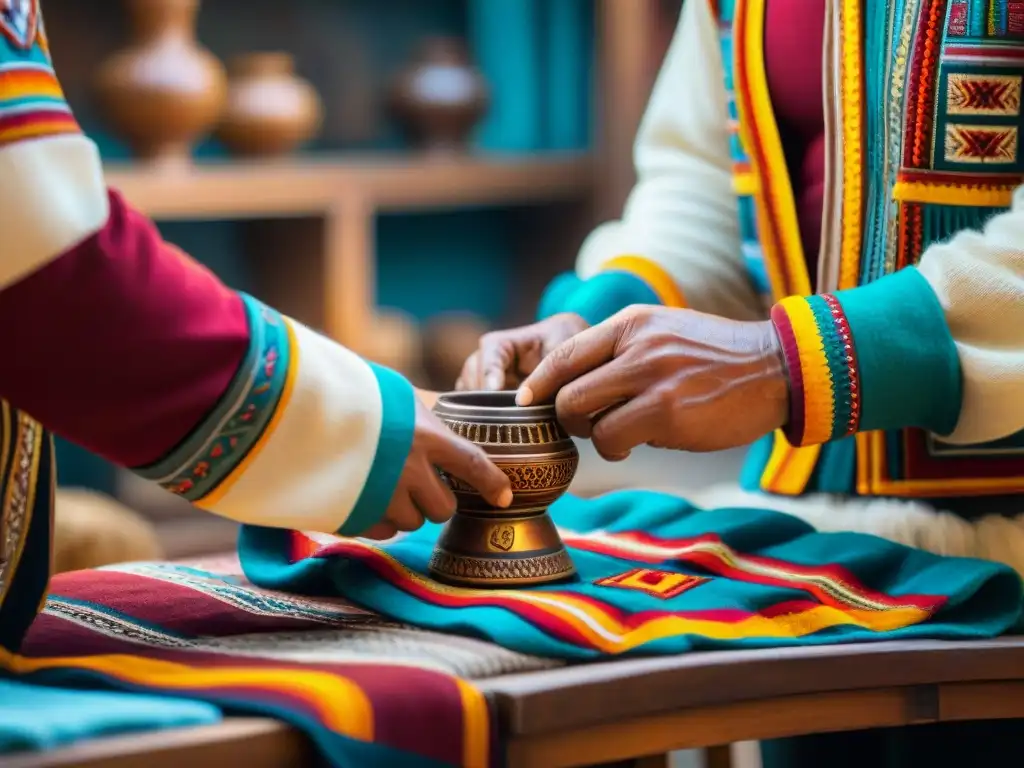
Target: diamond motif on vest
980 144
994 95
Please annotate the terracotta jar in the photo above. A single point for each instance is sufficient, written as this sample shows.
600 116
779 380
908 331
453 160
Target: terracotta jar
487 547
270 110
164 91
441 97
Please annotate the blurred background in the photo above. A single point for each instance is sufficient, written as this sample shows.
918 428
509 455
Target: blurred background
401 174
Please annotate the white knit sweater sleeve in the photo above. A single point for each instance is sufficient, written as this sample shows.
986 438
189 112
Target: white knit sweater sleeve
979 279
682 213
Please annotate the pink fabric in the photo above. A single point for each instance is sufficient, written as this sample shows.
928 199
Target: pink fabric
794 39
123 344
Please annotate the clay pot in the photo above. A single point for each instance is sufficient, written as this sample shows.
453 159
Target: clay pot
441 97
164 91
486 547
270 110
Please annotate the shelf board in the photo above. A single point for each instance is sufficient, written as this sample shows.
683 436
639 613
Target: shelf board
314 186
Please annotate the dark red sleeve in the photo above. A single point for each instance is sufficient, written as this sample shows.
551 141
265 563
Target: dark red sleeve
122 344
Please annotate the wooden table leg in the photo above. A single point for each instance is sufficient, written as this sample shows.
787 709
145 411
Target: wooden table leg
653 761
718 757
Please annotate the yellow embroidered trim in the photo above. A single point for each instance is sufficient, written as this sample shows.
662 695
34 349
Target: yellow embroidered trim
819 394
873 479
774 176
652 273
789 468
852 80
948 194
20 497
744 183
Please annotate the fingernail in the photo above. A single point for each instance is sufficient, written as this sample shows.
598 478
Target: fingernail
505 499
524 396
495 381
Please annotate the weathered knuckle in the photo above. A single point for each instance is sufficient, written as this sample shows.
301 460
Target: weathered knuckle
572 399
564 352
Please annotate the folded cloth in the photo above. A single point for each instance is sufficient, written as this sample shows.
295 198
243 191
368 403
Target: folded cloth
34 717
658 575
367 691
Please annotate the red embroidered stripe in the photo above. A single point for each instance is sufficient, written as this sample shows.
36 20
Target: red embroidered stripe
794 430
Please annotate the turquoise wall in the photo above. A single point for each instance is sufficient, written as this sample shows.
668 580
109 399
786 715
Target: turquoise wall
537 57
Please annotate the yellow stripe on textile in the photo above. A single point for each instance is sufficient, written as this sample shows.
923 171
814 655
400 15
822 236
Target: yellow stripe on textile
819 392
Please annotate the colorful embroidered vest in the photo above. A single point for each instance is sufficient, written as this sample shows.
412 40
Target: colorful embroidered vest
919 146
27 481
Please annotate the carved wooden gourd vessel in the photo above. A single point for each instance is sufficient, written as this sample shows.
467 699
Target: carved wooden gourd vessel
486 547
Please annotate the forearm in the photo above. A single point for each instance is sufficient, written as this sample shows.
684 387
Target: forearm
677 242
146 358
938 347
121 343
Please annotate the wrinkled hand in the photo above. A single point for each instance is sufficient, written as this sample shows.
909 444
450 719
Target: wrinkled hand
421 493
504 357
670 378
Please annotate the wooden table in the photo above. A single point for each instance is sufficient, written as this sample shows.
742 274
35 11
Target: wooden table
643 708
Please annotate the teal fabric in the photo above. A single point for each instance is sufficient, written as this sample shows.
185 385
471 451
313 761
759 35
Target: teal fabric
35 717
606 293
977 599
597 298
556 296
909 368
393 446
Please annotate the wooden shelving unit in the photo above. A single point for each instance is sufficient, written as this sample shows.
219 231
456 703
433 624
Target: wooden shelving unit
339 198
317 186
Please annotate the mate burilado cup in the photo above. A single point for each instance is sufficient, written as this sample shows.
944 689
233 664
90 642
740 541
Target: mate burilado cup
482 546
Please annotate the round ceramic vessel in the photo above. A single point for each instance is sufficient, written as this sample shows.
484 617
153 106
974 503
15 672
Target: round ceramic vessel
528 444
485 546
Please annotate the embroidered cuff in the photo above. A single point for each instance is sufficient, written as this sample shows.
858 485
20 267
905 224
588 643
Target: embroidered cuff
309 436
621 282
398 420
876 357
222 442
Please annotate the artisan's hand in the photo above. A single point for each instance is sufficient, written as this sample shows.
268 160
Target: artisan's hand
421 493
504 357
670 378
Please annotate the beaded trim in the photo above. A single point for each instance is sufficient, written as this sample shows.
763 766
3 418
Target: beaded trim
825 388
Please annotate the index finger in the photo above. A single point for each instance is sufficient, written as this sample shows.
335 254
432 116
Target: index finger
587 350
498 352
460 458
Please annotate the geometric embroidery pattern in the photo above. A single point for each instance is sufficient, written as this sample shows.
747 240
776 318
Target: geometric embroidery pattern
661 584
973 94
996 145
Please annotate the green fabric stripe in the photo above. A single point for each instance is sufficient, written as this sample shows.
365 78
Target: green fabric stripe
835 354
398 421
909 367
